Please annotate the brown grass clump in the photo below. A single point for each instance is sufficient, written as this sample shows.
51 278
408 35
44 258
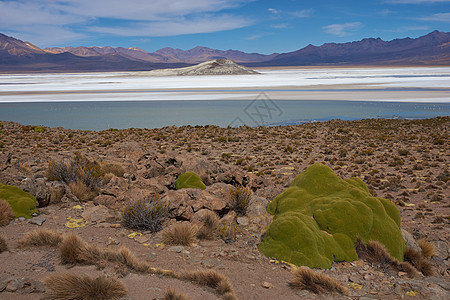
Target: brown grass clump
212 279
208 230
82 191
3 245
41 237
375 253
74 251
419 261
82 287
427 248
113 168
305 278
171 294
6 213
180 234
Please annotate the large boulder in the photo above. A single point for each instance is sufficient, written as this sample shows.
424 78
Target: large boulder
319 217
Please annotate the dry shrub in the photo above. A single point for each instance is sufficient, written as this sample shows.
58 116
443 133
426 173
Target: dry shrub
208 230
82 287
81 191
228 232
6 213
114 168
3 245
419 261
171 294
180 234
427 248
74 251
57 193
240 199
41 237
212 279
307 279
376 253
147 214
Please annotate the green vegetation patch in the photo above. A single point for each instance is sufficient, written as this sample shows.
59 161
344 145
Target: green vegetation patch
189 180
319 217
22 203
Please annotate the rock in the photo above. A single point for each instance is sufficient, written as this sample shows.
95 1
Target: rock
441 249
229 217
242 221
97 214
177 249
267 285
409 240
257 206
141 239
14 285
108 201
21 219
112 241
213 263
37 221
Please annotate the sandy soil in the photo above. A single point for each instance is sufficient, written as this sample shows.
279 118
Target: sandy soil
404 161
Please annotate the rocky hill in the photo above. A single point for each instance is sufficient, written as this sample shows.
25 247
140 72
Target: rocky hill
213 67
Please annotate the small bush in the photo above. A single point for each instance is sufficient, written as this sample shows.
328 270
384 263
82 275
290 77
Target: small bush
208 230
227 232
41 237
6 213
3 245
307 279
240 199
76 287
81 191
180 234
78 169
148 214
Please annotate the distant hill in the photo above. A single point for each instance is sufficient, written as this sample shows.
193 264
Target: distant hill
213 67
19 56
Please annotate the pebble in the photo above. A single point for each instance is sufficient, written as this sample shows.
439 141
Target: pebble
267 285
177 249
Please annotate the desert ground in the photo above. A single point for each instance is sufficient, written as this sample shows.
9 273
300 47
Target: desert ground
404 161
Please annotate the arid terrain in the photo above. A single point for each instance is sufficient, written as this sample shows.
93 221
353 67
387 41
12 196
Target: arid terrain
405 161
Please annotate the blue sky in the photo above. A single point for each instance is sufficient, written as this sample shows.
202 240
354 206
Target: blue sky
248 25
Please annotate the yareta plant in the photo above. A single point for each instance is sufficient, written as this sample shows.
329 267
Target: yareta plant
319 217
22 203
189 180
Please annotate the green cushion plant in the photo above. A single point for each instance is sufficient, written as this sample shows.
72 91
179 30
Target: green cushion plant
319 217
189 180
22 203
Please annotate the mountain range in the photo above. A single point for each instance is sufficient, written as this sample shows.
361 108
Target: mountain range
19 56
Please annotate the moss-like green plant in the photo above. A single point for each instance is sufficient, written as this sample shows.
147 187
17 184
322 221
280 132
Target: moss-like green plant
319 217
22 203
189 180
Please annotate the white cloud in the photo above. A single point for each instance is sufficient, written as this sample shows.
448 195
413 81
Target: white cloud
341 30
304 13
205 24
77 18
440 17
273 10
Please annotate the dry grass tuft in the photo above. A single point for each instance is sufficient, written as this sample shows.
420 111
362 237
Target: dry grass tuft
6 213
171 294
82 287
208 230
240 199
74 251
41 237
3 245
375 253
305 278
409 269
82 191
212 279
427 248
180 234
419 261
113 168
